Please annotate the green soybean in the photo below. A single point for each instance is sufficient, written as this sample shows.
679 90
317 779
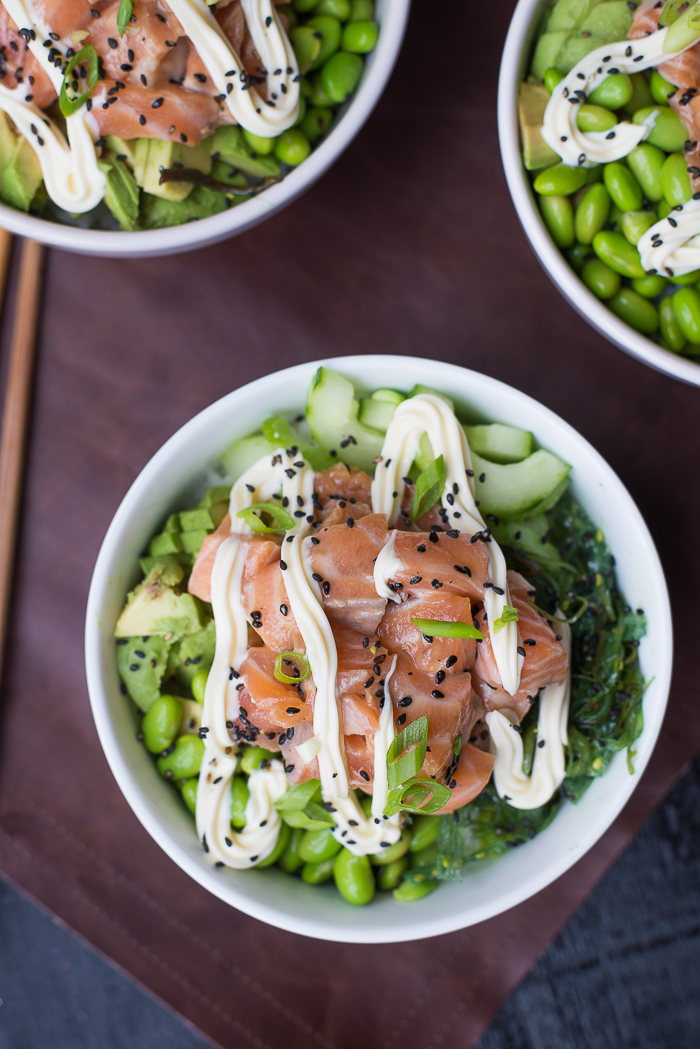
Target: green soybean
316 123
408 891
184 760
615 92
579 255
318 95
341 74
559 181
622 186
661 90
671 335
650 287
686 307
292 17
252 758
389 877
262 146
635 223
614 217
292 147
303 105
160 723
685 278
675 180
339 9
392 852
552 77
290 860
280 845
240 793
354 877
199 681
317 873
360 37
360 10
592 213
635 311
424 832
616 252
594 118
188 789
558 214
666 130
307 47
426 857
641 95
318 845
646 162
304 5
664 209
330 31
601 280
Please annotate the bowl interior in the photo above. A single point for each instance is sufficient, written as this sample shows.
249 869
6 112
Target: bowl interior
514 65
180 470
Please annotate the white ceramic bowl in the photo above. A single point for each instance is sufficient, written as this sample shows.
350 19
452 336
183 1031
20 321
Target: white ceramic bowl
514 67
392 16
178 473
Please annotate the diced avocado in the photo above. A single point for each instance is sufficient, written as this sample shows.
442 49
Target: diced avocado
157 213
21 170
332 414
574 28
192 541
158 606
172 524
547 51
532 102
141 663
151 157
124 148
198 157
149 562
219 494
232 148
165 543
499 443
419 388
188 656
378 410
511 490
208 519
122 195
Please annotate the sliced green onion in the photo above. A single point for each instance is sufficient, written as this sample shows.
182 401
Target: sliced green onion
126 10
70 104
437 628
406 753
671 11
684 31
292 659
429 488
278 431
282 521
457 745
300 796
509 615
418 795
301 807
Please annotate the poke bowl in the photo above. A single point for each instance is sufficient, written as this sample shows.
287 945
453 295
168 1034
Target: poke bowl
616 243
234 818
138 127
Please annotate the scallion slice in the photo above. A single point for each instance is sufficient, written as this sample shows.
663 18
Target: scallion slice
437 628
301 807
293 660
508 615
406 754
417 795
429 488
126 10
278 431
86 57
282 521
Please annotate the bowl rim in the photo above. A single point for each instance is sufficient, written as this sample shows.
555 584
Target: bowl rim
552 261
392 16
423 925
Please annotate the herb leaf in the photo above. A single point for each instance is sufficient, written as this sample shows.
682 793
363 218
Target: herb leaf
429 488
509 615
126 10
406 753
282 521
83 66
438 628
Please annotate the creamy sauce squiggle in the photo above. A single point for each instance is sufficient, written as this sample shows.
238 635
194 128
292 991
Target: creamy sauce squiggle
386 567
426 413
671 246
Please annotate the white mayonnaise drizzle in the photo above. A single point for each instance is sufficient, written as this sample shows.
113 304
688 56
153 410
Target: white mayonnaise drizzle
429 414
672 245
266 118
587 149
386 567
548 766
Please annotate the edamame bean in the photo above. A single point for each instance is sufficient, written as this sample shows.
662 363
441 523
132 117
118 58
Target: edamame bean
424 832
392 852
318 95
685 278
601 280
594 174
184 760
360 37
622 186
303 104
426 857
661 90
361 10
389 877
317 873
592 213
667 131
671 335
645 162
188 789
199 682
340 75
650 287
316 123
307 47
635 311
160 723
686 307
558 214
366 806
552 77
290 860
252 758
282 843
354 877
318 845
675 180
292 17
240 793
616 252
408 891
614 217
635 223
641 95
263 147
664 209
304 5
579 255
339 9
594 118
559 181
614 92
331 32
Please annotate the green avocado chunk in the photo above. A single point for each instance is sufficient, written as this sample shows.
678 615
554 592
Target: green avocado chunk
202 202
122 194
21 171
158 606
141 663
574 28
188 656
229 145
532 102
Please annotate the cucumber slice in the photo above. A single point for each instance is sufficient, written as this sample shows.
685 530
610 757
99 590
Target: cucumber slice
499 443
378 410
247 450
510 490
419 388
528 534
332 414
552 499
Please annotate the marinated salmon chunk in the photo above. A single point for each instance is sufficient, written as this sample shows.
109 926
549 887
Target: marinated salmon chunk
19 67
431 655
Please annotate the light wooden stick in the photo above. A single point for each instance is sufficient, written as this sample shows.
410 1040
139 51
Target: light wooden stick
16 415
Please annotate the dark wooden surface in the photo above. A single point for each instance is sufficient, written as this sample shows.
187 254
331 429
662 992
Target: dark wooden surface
408 245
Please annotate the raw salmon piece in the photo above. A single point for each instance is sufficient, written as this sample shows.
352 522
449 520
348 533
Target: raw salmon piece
448 655
343 557
182 116
473 772
19 64
545 663
232 20
153 46
360 681
436 517
64 16
268 704
359 753
439 561
343 482
259 553
297 771
264 593
341 511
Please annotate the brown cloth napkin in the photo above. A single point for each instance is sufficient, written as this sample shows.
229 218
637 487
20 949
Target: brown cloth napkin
409 245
